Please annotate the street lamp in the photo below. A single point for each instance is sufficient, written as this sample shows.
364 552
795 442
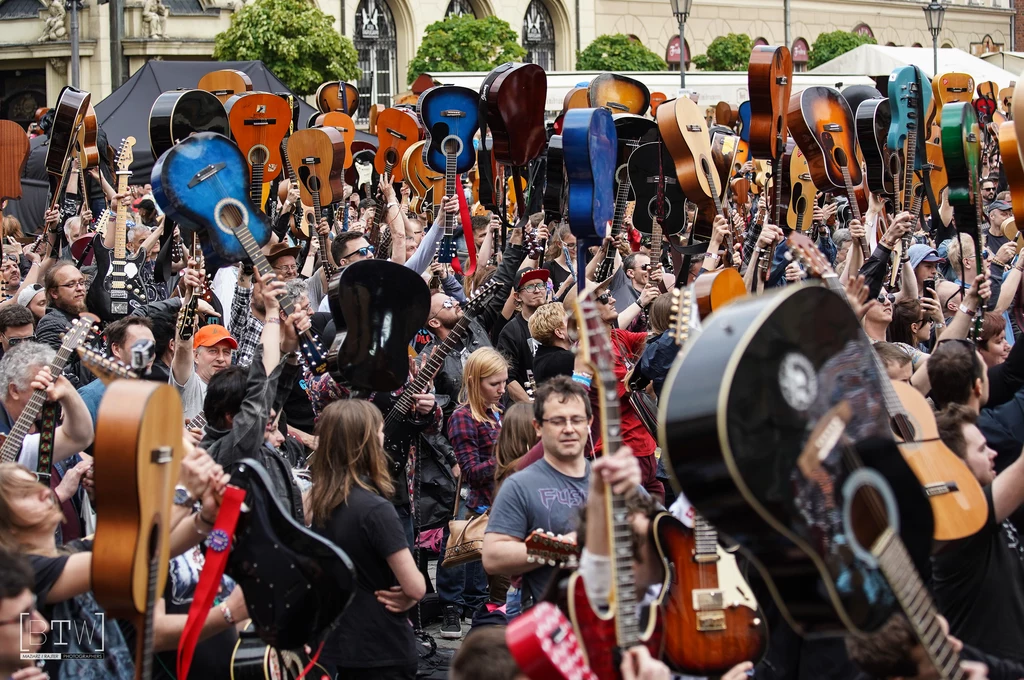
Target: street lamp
933 13
681 10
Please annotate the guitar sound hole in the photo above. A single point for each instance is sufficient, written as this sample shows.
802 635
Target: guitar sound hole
258 155
391 156
869 516
841 158
231 216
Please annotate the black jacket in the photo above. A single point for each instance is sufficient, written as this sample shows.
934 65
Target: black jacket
54 324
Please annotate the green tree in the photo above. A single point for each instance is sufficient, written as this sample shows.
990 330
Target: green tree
465 43
618 53
828 46
726 53
294 39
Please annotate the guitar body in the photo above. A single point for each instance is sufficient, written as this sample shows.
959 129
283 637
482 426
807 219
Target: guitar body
589 145
684 132
554 180
798 191
937 174
576 98
421 178
727 629
382 305
544 646
72 106
874 120
451 118
910 98
619 94
343 123
822 125
176 115
1009 152
204 179
337 96
317 156
13 154
596 632
139 452
631 131
363 153
296 583
258 122
783 478
88 151
100 292
647 165
396 132
961 148
947 88
726 114
743 122
716 289
723 152
225 83
770 81
515 112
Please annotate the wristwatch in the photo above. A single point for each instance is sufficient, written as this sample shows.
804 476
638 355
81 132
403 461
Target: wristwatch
183 497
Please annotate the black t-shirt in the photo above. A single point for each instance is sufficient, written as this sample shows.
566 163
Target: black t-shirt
558 274
550 361
367 528
517 346
979 587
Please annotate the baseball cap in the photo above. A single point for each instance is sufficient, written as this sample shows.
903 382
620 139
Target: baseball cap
208 336
998 205
920 252
527 275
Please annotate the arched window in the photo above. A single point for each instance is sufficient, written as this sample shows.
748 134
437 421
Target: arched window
378 55
672 53
539 36
800 52
760 41
864 30
458 8
890 44
916 45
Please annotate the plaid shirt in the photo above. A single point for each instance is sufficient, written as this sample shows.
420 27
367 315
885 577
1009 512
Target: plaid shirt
473 442
245 328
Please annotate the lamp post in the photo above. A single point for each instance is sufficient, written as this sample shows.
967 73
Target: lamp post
681 10
933 14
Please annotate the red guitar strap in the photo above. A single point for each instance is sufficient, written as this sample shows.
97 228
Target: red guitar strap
216 559
467 231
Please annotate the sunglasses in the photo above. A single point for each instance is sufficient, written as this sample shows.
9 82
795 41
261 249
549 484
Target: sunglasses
15 341
365 251
603 298
882 297
645 267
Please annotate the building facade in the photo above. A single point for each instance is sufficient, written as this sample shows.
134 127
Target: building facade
35 51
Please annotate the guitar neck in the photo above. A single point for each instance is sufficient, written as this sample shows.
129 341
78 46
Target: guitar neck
450 182
777 184
259 261
120 225
908 166
917 604
12 445
256 186
851 196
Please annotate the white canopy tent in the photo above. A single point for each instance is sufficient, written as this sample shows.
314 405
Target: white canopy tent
1011 61
878 61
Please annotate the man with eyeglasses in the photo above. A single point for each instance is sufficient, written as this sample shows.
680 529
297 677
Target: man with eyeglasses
16 325
248 312
19 616
515 341
66 289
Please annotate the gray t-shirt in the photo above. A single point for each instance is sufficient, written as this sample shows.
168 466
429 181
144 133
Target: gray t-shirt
193 394
539 497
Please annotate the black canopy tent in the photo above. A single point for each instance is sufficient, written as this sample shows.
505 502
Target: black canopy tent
126 111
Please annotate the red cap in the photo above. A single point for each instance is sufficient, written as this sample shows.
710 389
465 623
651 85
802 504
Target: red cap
208 336
527 275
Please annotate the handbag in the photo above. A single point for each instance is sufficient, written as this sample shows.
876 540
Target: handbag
466 536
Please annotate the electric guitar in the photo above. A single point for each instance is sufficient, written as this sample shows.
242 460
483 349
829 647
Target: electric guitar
204 178
542 642
118 290
138 456
605 636
259 123
450 117
554 550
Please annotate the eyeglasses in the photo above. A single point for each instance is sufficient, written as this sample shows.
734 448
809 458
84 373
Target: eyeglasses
645 267
882 297
14 341
71 285
603 298
532 288
365 251
449 303
23 618
290 269
560 421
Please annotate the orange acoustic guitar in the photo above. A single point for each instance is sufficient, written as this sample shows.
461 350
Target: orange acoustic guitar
947 88
337 96
576 98
259 122
685 134
88 151
316 155
13 154
225 84
396 132
619 94
139 451
1009 151
343 123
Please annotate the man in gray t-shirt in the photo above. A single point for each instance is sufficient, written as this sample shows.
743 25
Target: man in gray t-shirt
539 497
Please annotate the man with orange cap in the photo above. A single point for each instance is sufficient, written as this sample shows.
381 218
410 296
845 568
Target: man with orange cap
197 361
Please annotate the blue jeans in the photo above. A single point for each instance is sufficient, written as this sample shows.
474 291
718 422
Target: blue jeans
464 586
513 603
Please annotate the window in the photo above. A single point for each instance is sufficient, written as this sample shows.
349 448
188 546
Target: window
378 55
458 8
864 30
800 52
672 53
539 36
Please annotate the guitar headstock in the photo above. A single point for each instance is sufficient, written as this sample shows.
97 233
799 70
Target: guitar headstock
81 328
106 369
806 253
682 314
480 297
125 155
554 550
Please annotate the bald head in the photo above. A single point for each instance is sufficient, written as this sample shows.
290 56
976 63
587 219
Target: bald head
949 297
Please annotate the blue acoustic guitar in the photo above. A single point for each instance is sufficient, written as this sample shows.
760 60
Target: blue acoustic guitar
909 98
451 117
589 146
205 180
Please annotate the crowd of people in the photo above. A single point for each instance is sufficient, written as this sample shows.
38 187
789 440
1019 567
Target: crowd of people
510 415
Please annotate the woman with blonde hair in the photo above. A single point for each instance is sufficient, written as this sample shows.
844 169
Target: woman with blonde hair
349 505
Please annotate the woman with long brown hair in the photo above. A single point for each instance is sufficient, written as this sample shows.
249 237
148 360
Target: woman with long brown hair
349 505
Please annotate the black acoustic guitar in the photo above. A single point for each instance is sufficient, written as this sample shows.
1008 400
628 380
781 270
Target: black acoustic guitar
650 166
873 120
177 115
296 583
554 184
382 305
774 425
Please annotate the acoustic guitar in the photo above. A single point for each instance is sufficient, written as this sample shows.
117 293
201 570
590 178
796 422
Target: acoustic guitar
204 178
106 369
317 156
450 117
798 191
343 123
685 134
947 88
770 81
958 503
1009 150
873 120
822 125
1006 100
421 180
986 105
88 151
726 114
1018 126
259 122
514 102
138 455
659 200
337 96
619 94
69 114
396 132
542 642
176 115
13 154
657 99
225 83
380 306
576 98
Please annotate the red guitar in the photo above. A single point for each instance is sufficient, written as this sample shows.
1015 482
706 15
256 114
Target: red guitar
544 647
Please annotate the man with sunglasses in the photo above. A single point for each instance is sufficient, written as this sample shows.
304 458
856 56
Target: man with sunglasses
628 285
515 341
988 191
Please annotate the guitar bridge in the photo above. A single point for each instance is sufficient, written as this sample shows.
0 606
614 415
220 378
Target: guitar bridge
708 599
940 488
710 621
396 133
452 113
162 455
205 174
832 127
260 121
693 128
